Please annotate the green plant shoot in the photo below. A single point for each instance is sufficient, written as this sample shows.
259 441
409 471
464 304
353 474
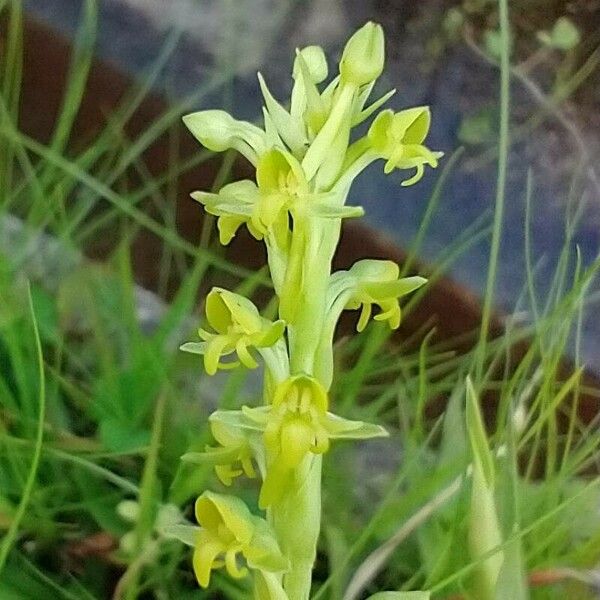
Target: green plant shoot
306 159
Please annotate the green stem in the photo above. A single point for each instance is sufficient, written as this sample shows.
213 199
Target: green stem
500 184
13 529
296 519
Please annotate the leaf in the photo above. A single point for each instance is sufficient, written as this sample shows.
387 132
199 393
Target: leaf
477 436
484 528
118 436
453 450
400 596
511 584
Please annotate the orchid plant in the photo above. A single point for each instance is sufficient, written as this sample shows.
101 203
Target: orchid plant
306 159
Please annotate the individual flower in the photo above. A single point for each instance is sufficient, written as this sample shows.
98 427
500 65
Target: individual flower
229 534
371 282
295 425
235 204
237 326
232 458
261 207
398 138
264 208
283 185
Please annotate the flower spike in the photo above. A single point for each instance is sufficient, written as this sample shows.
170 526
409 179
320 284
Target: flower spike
306 156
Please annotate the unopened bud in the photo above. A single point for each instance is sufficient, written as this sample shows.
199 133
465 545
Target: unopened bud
364 55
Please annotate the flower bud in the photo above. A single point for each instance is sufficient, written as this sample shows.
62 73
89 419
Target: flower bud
129 510
364 55
315 61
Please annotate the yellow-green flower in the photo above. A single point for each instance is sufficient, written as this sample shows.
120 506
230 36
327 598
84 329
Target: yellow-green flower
398 138
232 458
295 425
228 530
235 204
282 185
261 207
377 283
238 326
282 188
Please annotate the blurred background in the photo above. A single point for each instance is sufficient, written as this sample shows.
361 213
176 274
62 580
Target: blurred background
440 53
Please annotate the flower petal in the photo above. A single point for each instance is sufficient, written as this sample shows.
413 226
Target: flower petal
186 534
340 428
194 347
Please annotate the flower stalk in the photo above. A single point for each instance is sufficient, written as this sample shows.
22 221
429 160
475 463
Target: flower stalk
306 158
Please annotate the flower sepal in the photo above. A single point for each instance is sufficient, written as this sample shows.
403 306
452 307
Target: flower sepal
235 204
